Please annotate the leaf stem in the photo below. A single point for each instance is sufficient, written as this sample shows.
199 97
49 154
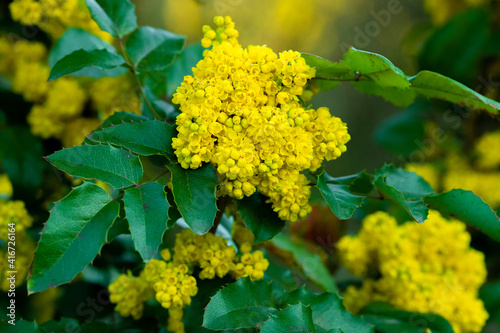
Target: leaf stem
356 78
133 70
221 207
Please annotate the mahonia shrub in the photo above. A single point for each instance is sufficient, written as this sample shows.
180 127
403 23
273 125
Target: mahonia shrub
427 268
242 112
191 199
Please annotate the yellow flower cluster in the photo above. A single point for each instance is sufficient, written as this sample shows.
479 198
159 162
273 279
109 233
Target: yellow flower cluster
25 247
129 293
14 217
16 213
441 11
59 105
212 254
55 16
6 189
487 149
241 111
171 282
428 268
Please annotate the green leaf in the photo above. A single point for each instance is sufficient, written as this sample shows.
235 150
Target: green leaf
116 17
412 185
311 263
119 118
402 132
19 325
338 196
406 189
21 158
194 193
77 60
295 318
154 49
182 66
150 137
434 85
377 68
115 166
147 214
119 227
228 309
389 319
193 313
260 217
328 312
374 74
469 208
360 182
73 236
466 35
328 70
77 39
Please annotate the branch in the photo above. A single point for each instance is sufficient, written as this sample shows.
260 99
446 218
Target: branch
133 70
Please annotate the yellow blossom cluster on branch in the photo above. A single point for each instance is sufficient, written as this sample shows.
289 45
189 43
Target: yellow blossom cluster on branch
171 281
55 16
14 221
242 112
70 107
427 268
58 106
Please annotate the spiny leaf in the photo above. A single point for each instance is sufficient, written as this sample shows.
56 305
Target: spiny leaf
77 39
295 318
468 208
229 310
338 196
115 17
154 49
194 193
80 59
328 312
151 137
115 166
73 236
407 189
434 85
260 217
147 213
